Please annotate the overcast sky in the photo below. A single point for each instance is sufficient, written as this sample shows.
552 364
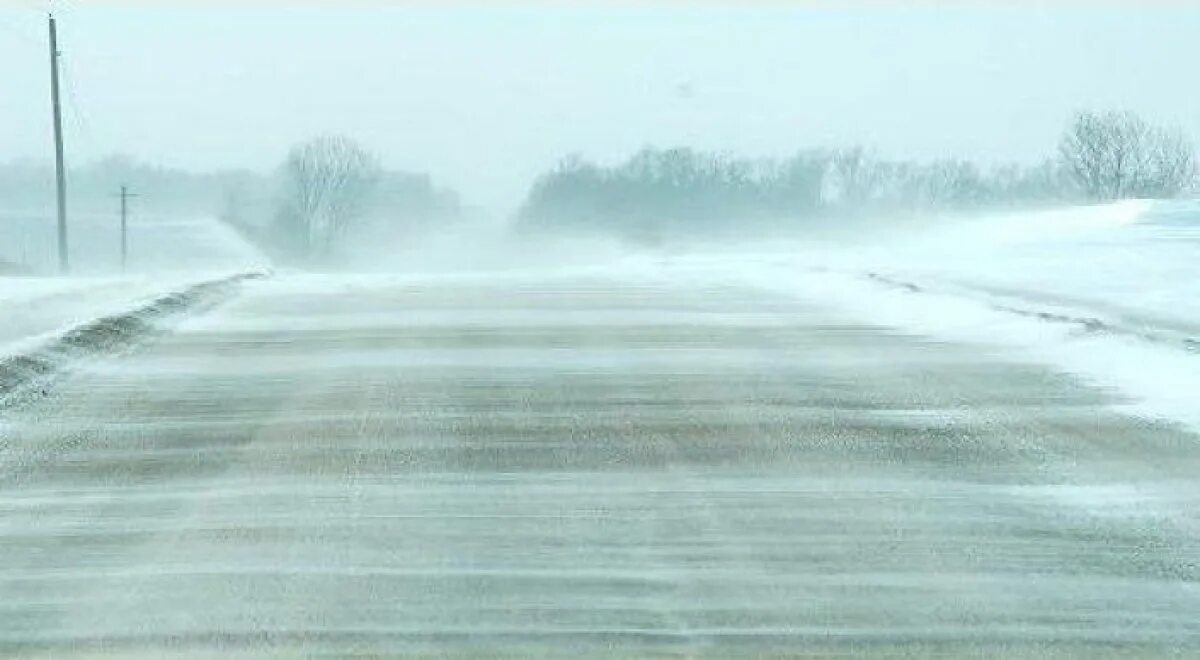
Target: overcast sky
485 99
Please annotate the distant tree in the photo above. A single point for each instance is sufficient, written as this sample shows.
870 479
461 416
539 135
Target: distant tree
1046 182
568 194
797 184
855 177
327 184
1115 155
954 184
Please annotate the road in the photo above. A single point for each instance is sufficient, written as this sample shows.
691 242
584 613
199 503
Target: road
584 465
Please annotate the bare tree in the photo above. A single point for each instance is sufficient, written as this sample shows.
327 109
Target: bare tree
855 176
327 184
1115 155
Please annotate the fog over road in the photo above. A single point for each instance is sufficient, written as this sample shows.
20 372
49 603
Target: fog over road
584 464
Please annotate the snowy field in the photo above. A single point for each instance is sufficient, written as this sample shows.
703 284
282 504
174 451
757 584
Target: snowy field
156 244
165 257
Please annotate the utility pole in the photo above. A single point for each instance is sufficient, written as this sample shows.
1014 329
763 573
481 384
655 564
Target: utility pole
60 175
125 195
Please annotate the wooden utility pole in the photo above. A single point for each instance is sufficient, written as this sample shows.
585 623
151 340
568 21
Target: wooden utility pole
125 195
60 174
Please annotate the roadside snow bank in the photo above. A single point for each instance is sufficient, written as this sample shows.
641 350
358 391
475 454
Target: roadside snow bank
1110 293
28 373
1158 380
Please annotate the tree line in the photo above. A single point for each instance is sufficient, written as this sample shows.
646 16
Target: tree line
331 196
328 196
1101 156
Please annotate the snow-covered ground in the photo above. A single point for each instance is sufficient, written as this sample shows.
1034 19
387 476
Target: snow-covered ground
165 256
156 244
1110 293
594 449
641 460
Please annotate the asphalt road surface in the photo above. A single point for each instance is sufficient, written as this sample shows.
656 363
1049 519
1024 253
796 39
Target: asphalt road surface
579 465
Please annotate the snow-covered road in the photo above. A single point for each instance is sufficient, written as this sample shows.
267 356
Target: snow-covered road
587 462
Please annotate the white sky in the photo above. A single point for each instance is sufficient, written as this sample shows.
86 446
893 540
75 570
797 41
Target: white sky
484 99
